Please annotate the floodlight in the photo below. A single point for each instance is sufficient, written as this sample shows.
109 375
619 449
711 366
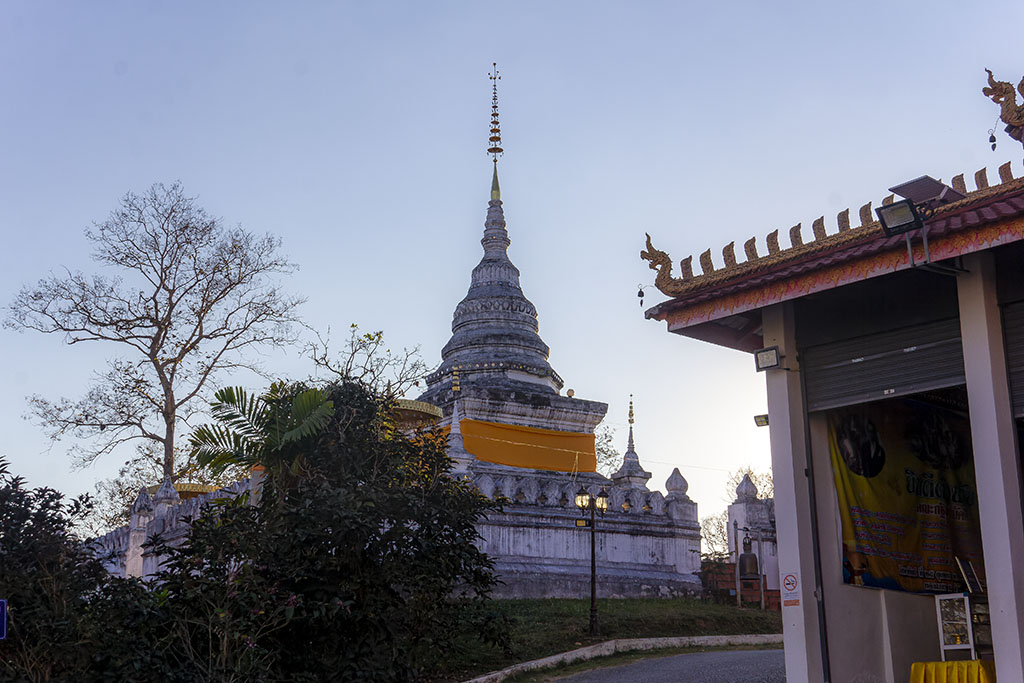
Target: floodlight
761 420
768 358
899 217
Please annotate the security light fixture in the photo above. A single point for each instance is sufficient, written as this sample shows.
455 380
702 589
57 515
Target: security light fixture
761 420
921 196
899 217
767 358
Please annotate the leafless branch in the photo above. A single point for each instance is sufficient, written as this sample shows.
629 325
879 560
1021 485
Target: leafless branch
366 358
191 299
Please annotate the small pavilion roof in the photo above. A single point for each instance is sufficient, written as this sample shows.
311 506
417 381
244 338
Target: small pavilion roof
984 218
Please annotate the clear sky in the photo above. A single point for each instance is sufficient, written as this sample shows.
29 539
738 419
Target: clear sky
356 131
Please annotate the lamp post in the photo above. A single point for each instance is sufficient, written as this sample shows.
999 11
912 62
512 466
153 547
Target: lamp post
598 503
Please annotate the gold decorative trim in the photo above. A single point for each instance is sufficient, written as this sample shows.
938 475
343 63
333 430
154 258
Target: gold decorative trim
419 406
844 234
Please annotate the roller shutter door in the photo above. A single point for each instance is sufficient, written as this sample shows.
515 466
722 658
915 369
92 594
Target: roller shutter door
1013 333
884 365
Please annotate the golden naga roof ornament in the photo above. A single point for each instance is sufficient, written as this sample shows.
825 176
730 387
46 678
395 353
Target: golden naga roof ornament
661 262
1003 94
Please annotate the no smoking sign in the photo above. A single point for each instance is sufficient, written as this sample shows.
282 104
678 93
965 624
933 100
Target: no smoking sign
791 589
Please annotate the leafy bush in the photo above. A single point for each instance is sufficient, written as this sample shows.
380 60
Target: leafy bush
68 619
356 563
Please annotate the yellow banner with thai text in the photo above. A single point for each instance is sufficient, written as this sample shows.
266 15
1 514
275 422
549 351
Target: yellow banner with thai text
904 475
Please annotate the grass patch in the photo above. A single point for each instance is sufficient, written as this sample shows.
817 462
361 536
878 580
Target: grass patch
539 628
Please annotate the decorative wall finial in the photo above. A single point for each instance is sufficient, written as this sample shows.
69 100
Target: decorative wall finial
495 149
631 475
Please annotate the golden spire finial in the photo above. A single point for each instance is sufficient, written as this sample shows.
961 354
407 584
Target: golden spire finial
495 139
631 409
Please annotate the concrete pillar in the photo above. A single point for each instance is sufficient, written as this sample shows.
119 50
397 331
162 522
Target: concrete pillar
996 461
787 423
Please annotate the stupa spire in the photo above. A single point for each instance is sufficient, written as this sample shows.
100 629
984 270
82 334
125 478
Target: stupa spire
494 328
494 141
495 188
629 446
631 473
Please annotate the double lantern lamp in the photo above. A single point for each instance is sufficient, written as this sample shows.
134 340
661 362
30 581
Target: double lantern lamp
584 500
598 503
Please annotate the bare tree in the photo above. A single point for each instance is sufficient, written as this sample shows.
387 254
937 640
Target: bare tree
714 536
366 358
187 298
608 458
762 480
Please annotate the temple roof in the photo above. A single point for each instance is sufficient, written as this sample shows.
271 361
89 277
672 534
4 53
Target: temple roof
986 217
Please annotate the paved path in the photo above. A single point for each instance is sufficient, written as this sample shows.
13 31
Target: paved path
725 666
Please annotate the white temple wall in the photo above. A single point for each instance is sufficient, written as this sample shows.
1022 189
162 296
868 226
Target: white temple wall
537 548
540 552
121 549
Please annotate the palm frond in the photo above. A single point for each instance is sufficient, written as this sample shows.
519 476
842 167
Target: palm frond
218 448
241 411
310 412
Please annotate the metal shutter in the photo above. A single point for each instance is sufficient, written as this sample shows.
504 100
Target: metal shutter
895 363
1013 334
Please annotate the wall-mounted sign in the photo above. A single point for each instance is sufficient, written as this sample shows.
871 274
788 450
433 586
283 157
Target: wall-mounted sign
904 476
791 589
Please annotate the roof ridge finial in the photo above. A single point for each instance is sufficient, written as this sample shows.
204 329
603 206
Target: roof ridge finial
495 149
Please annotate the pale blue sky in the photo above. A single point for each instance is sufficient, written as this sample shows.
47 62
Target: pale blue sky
356 131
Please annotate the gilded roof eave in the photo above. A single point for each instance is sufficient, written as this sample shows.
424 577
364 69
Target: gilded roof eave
825 251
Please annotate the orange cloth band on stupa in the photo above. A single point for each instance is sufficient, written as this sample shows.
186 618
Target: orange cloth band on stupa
530 447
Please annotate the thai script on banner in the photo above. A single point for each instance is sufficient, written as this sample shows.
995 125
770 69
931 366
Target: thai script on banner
904 476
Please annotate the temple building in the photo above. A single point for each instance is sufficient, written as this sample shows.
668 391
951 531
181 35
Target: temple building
893 355
516 435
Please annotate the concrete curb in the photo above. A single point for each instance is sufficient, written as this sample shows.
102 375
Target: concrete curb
610 647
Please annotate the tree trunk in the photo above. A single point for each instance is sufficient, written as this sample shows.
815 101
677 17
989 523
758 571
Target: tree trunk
169 415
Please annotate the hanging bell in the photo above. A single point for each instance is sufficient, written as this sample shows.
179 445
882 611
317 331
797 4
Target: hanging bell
748 561
991 137
640 293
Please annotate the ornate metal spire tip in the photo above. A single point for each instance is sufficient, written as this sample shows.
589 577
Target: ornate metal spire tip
494 140
631 409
